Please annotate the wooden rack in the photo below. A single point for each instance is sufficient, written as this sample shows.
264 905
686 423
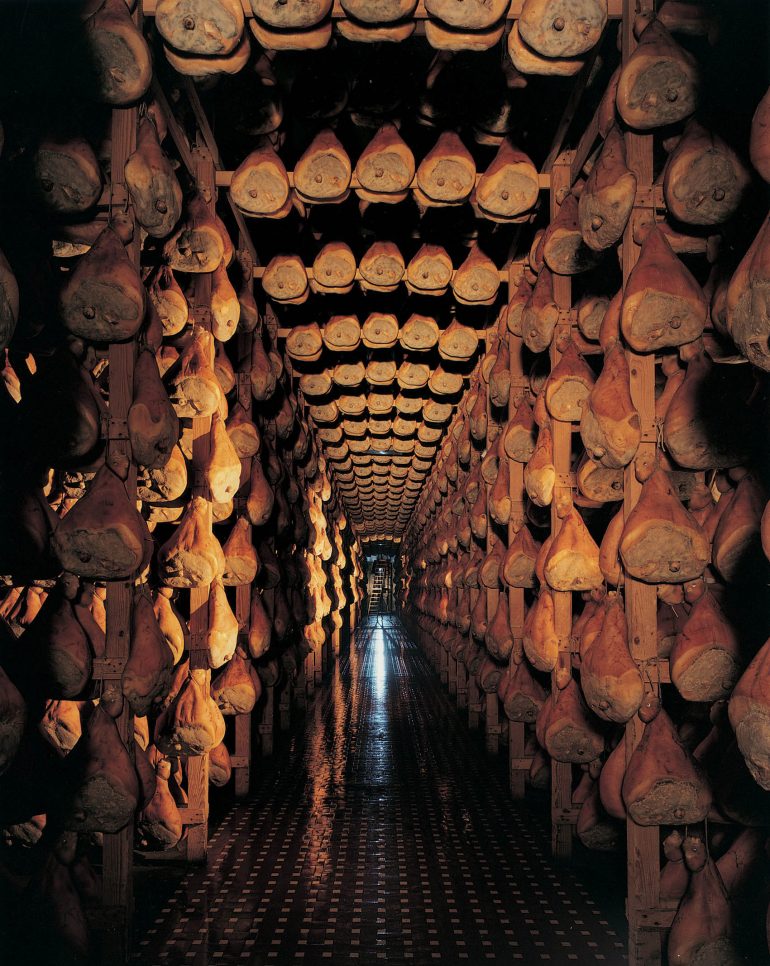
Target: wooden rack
259 272
492 726
648 916
115 914
241 760
420 13
112 920
518 762
562 817
643 874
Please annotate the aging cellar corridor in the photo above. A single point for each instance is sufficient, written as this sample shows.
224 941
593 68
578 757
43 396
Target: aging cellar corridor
384 834
385 482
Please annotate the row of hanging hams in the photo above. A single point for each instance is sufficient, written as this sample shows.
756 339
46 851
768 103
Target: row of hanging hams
249 511
677 774
214 39
548 38
696 532
387 173
382 268
98 788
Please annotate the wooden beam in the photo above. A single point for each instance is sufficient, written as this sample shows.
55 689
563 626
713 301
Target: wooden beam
259 272
420 13
175 129
117 876
225 178
209 140
243 722
516 729
577 90
492 717
643 844
561 773
198 766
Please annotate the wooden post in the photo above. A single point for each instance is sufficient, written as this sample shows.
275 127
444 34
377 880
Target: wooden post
243 722
117 883
242 770
492 717
519 384
492 723
644 945
300 686
196 841
561 773
462 685
284 705
267 722
474 692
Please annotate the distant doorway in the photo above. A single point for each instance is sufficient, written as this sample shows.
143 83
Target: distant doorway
380 587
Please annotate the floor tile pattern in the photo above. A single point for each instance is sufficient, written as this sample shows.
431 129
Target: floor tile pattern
382 833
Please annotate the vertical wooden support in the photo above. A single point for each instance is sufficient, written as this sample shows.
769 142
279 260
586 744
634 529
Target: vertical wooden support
474 692
492 717
242 770
300 685
243 722
462 671
284 705
313 658
492 723
267 722
561 773
643 843
196 841
516 729
462 685
117 890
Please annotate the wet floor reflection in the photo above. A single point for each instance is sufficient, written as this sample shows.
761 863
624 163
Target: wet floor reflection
381 833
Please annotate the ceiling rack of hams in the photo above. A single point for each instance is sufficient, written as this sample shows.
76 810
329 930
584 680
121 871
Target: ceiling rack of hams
585 553
386 206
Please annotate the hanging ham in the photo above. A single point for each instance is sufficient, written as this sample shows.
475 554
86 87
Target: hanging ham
103 537
105 787
663 785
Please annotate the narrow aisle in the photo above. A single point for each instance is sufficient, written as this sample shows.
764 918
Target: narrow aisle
384 834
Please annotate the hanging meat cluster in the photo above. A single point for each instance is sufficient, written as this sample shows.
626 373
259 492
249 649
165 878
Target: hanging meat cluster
155 443
191 473
518 517
204 40
386 173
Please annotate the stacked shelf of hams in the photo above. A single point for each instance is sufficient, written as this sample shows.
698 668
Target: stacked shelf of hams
696 533
71 530
215 39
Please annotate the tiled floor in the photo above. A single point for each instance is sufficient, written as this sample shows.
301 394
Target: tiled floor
381 834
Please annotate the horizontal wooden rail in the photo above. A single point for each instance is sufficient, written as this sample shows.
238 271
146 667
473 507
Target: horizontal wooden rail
224 180
521 764
259 272
660 917
485 335
420 13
